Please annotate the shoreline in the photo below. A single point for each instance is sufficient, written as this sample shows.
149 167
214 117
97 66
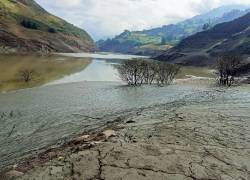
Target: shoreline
189 80
135 128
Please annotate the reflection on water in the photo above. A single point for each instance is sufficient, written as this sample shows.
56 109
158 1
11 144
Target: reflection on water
43 69
102 55
101 68
98 70
58 69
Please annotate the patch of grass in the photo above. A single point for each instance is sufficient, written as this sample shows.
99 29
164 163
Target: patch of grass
142 39
154 47
45 68
195 71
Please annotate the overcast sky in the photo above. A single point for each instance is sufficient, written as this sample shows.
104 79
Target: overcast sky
106 18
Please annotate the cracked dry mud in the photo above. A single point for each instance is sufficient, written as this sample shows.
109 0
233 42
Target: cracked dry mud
207 139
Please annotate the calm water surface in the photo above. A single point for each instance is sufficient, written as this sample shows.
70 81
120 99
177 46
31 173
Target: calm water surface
100 69
97 70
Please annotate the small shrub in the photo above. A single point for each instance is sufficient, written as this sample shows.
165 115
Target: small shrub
26 75
29 24
51 30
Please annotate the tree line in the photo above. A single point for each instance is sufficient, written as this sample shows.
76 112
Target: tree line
138 71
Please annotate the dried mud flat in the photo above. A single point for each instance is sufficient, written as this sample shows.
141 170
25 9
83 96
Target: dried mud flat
204 136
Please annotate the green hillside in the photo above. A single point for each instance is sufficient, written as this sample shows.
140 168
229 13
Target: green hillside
25 27
133 43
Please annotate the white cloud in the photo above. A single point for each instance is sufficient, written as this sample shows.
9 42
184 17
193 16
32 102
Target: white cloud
106 18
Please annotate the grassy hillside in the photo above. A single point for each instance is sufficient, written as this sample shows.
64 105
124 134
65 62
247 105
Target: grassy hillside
25 26
132 43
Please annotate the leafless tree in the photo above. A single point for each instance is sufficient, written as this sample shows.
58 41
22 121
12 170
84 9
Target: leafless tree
166 73
137 72
129 72
26 75
227 68
149 70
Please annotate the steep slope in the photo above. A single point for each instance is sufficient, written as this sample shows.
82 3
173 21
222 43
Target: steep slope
27 27
202 48
157 40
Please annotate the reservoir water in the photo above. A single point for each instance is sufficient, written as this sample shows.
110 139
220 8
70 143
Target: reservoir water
34 118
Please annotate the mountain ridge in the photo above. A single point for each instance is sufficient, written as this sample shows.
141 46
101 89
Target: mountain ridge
168 36
27 27
202 48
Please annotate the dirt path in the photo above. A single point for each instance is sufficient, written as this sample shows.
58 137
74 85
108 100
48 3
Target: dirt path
207 136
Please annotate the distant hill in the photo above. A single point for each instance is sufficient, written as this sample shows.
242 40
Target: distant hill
27 27
157 40
202 48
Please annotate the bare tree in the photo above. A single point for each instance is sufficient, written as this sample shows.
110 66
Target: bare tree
149 71
227 68
137 72
26 75
173 70
128 72
166 73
